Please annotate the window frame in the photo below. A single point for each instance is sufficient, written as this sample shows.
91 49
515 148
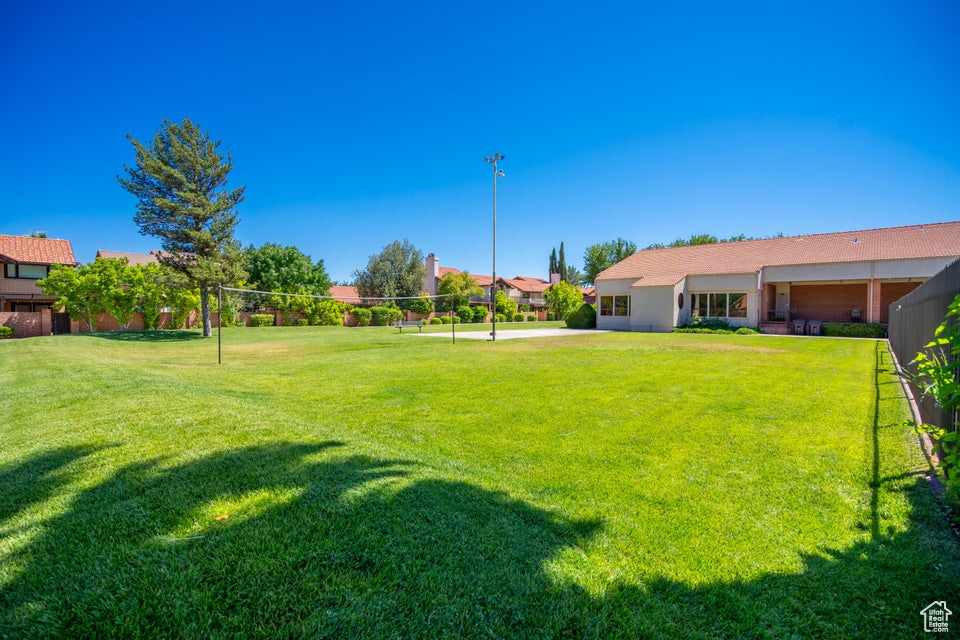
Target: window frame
704 304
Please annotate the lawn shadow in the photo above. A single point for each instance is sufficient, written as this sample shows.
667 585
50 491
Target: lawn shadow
167 335
37 478
328 544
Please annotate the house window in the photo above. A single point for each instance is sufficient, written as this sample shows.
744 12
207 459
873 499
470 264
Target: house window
27 271
719 305
615 306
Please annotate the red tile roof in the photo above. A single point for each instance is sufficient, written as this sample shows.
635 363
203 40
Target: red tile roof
659 267
483 281
133 259
27 250
345 294
528 284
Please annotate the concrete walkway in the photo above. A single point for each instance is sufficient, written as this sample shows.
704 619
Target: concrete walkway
513 334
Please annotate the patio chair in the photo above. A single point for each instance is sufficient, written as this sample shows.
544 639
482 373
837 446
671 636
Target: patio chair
798 326
813 327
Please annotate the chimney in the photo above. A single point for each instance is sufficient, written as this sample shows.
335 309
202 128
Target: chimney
433 273
554 278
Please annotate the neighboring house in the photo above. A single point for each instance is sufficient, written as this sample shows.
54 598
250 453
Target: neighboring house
832 277
523 289
23 261
133 259
345 294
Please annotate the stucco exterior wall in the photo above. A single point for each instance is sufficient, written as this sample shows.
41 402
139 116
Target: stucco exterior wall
881 269
653 309
608 288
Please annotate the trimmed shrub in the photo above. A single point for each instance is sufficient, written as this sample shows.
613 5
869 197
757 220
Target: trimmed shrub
551 315
532 318
853 330
445 320
465 312
501 317
5 332
383 316
422 305
436 321
455 319
583 317
302 322
746 331
262 320
479 314
363 316
518 317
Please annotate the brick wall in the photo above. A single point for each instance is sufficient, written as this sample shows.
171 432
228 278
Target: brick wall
890 292
27 324
828 302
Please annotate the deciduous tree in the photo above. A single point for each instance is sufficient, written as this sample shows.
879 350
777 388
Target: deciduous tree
460 286
397 271
604 255
562 298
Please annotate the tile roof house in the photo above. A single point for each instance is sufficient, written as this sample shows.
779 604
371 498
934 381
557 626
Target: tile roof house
831 277
523 289
23 261
345 294
133 259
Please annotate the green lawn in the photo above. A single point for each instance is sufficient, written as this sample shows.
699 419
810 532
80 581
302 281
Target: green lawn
329 482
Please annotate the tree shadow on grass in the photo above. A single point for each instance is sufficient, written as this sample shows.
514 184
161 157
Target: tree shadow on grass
37 478
167 335
323 544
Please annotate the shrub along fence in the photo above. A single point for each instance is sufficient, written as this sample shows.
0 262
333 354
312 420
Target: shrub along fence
913 320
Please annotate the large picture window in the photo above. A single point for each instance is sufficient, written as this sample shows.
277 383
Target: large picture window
615 306
27 271
719 305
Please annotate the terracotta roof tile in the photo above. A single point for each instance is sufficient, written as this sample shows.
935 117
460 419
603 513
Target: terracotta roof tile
133 259
345 294
27 250
659 267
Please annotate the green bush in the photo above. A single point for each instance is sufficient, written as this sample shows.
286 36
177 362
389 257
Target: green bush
551 316
5 332
532 318
363 316
455 319
518 317
465 312
746 331
501 317
302 322
262 320
445 320
436 321
853 330
524 307
383 316
583 317
479 314
422 304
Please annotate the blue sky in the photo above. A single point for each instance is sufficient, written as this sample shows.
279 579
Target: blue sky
355 124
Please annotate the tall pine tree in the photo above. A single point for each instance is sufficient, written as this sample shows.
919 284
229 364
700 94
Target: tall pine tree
553 263
562 265
180 184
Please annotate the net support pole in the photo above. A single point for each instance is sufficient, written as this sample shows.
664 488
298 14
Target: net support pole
219 321
453 325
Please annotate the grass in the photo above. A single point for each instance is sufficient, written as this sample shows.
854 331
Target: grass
330 482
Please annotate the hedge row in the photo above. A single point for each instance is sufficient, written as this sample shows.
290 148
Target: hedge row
853 330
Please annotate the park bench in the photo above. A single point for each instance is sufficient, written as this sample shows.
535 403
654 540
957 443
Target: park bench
409 323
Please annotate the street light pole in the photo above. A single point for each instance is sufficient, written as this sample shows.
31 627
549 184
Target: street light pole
497 173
